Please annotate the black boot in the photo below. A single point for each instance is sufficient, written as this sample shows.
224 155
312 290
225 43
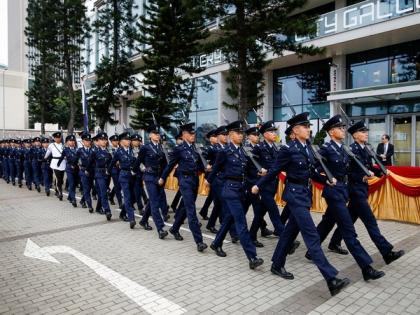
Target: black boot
109 216
218 250
255 262
163 234
281 272
176 234
338 249
146 226
74 203
201 247
370 273
335 285
132 224
392 256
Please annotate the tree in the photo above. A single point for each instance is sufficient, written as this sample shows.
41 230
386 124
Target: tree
42 42
171 32
249 30
117 30
73 29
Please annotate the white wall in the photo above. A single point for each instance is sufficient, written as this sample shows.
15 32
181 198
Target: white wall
13 98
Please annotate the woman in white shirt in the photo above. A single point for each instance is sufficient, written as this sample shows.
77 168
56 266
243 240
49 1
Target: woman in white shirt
56 149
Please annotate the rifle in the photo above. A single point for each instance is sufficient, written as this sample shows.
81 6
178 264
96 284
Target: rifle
354 157
248 152
372 154
314 149
259 119
199 150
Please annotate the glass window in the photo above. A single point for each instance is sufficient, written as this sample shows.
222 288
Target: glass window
417 152
304 87
402 140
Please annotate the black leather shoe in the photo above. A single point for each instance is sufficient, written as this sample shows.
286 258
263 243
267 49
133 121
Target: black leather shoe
296 244
20 185
109 216
370 273
177 235
90 210
212 229
146 226
308 256
255 262
13 183
201 247
258 244
74 203
30 187
391 256
112 202
166 218
266 232
132 224
205 217
47 193
163 234
335 285
281 272
83 205
38 188
60 197
94 197
218 250
235 240
338 249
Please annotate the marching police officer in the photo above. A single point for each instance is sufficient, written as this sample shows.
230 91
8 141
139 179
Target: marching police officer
100 161
153 158
298 162
55 149
127 163
230 167
336 195
86 172
45 166
70 154
136 143
27 163
358 193
189 164
115 173
36 155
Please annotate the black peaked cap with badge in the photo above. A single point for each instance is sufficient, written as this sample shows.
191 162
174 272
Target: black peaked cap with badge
300 119
252 131
221 130
114 137
71 138
124 136
358 126
136 136
211 133
189 127
333 122
153 128
236 126
268 126
56 134
101 135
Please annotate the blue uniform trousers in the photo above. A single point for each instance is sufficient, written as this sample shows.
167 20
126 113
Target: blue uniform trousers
87 181
157 203
115 173
359 208
36 172
46 176
234 214
126 181
101 179
269 205
301 221
27 165
338 212
71 179
188 185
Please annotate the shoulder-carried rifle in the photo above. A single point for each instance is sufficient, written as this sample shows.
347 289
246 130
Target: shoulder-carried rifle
373 155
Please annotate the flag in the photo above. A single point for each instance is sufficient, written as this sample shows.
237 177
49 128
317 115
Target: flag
84 107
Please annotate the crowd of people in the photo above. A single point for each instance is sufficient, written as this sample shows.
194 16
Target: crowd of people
239 177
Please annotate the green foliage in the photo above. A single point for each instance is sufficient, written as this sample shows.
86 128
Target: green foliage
171 32
114 74
249 30
320 137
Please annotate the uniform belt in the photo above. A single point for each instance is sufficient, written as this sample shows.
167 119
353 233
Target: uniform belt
55 157
343 179
236 178
188 173
304 182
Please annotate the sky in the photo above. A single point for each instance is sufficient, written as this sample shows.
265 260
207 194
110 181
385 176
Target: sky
3 32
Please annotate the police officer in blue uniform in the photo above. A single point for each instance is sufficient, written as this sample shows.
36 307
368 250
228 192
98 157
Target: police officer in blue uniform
70 154
100 161
37 157
358 193
86 172
336 195
222 134
115 173
152 157
6 158
26 152
177 198
266 153
189 164
139 195
127 163
285 214
45 166
230 167
298 162
19 155
12 165
253 138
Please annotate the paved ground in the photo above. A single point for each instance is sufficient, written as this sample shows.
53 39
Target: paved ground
105 268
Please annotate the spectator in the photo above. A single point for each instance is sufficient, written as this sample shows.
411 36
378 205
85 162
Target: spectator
385 150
